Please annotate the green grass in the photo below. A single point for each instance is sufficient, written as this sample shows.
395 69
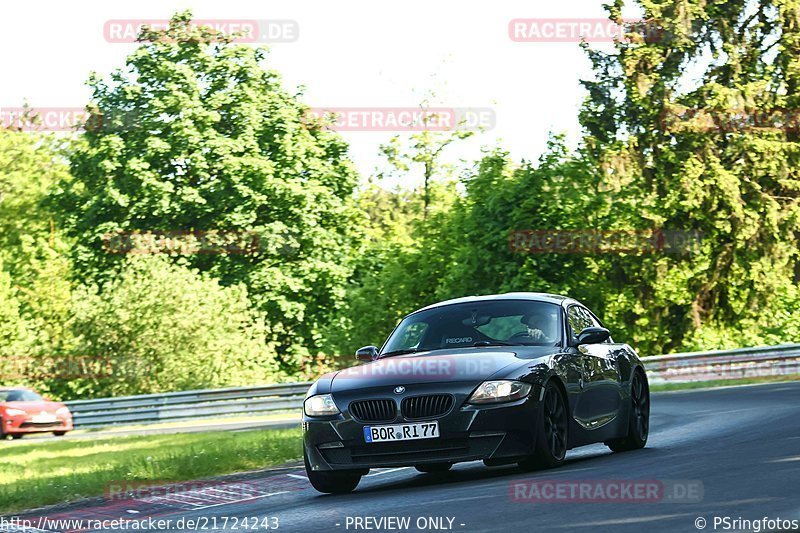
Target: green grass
37 474
722 383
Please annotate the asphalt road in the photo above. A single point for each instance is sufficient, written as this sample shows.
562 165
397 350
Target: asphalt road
732 452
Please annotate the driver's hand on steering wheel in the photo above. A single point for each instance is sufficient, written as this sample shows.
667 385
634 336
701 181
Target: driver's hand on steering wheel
536 333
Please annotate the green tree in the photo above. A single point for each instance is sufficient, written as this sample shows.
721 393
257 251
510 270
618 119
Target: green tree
399 265
726 176
195 135
32 249
425 149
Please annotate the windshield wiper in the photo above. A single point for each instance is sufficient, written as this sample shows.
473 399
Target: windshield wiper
398 352
494 343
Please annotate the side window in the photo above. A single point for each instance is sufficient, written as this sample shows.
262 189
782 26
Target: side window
588 318
580 318
413 334
577 319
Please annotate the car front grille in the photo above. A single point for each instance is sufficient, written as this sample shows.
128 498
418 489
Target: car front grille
416 407
413 452
409 451
27 425
374 410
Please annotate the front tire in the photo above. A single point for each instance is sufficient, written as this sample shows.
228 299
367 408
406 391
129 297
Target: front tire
434 468
551 441
639 419
59 433
331 482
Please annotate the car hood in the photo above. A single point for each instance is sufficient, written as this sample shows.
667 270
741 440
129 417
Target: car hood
34 408
468 364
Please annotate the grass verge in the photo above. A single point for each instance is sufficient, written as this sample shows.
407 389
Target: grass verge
32 475
660 387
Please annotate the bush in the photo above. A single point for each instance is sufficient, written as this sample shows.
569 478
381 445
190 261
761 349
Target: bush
163 327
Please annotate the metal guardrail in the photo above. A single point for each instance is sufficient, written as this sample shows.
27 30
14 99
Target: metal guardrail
762 361
192 405
197 404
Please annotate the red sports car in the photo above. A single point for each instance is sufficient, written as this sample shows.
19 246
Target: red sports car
23 411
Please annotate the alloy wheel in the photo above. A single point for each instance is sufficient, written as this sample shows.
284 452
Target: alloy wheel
555 423
641 406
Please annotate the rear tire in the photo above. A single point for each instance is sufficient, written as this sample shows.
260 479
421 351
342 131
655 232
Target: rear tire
331 482
551 441
59 433
16 436
434 468
639 419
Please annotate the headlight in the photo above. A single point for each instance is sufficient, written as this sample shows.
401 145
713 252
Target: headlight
62 411
15 412
499 391
320 405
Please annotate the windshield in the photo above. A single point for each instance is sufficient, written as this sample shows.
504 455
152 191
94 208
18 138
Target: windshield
494 322
19 396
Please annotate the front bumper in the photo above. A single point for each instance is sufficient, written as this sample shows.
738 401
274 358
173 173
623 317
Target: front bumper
494 433
22 424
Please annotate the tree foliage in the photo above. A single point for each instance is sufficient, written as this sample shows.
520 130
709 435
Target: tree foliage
728 175
33 251
663 149
160 326
196 135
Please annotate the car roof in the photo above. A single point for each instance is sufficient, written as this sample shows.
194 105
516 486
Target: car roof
533 296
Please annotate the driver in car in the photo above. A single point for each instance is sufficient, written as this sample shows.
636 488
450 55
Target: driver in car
541 327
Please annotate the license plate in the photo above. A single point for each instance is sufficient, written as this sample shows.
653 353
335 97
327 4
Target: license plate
43 419
421 430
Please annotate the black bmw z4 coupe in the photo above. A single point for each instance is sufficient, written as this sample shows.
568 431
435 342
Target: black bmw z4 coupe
511 378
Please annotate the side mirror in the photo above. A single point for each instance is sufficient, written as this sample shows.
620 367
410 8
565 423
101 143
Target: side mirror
367 353
593 335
